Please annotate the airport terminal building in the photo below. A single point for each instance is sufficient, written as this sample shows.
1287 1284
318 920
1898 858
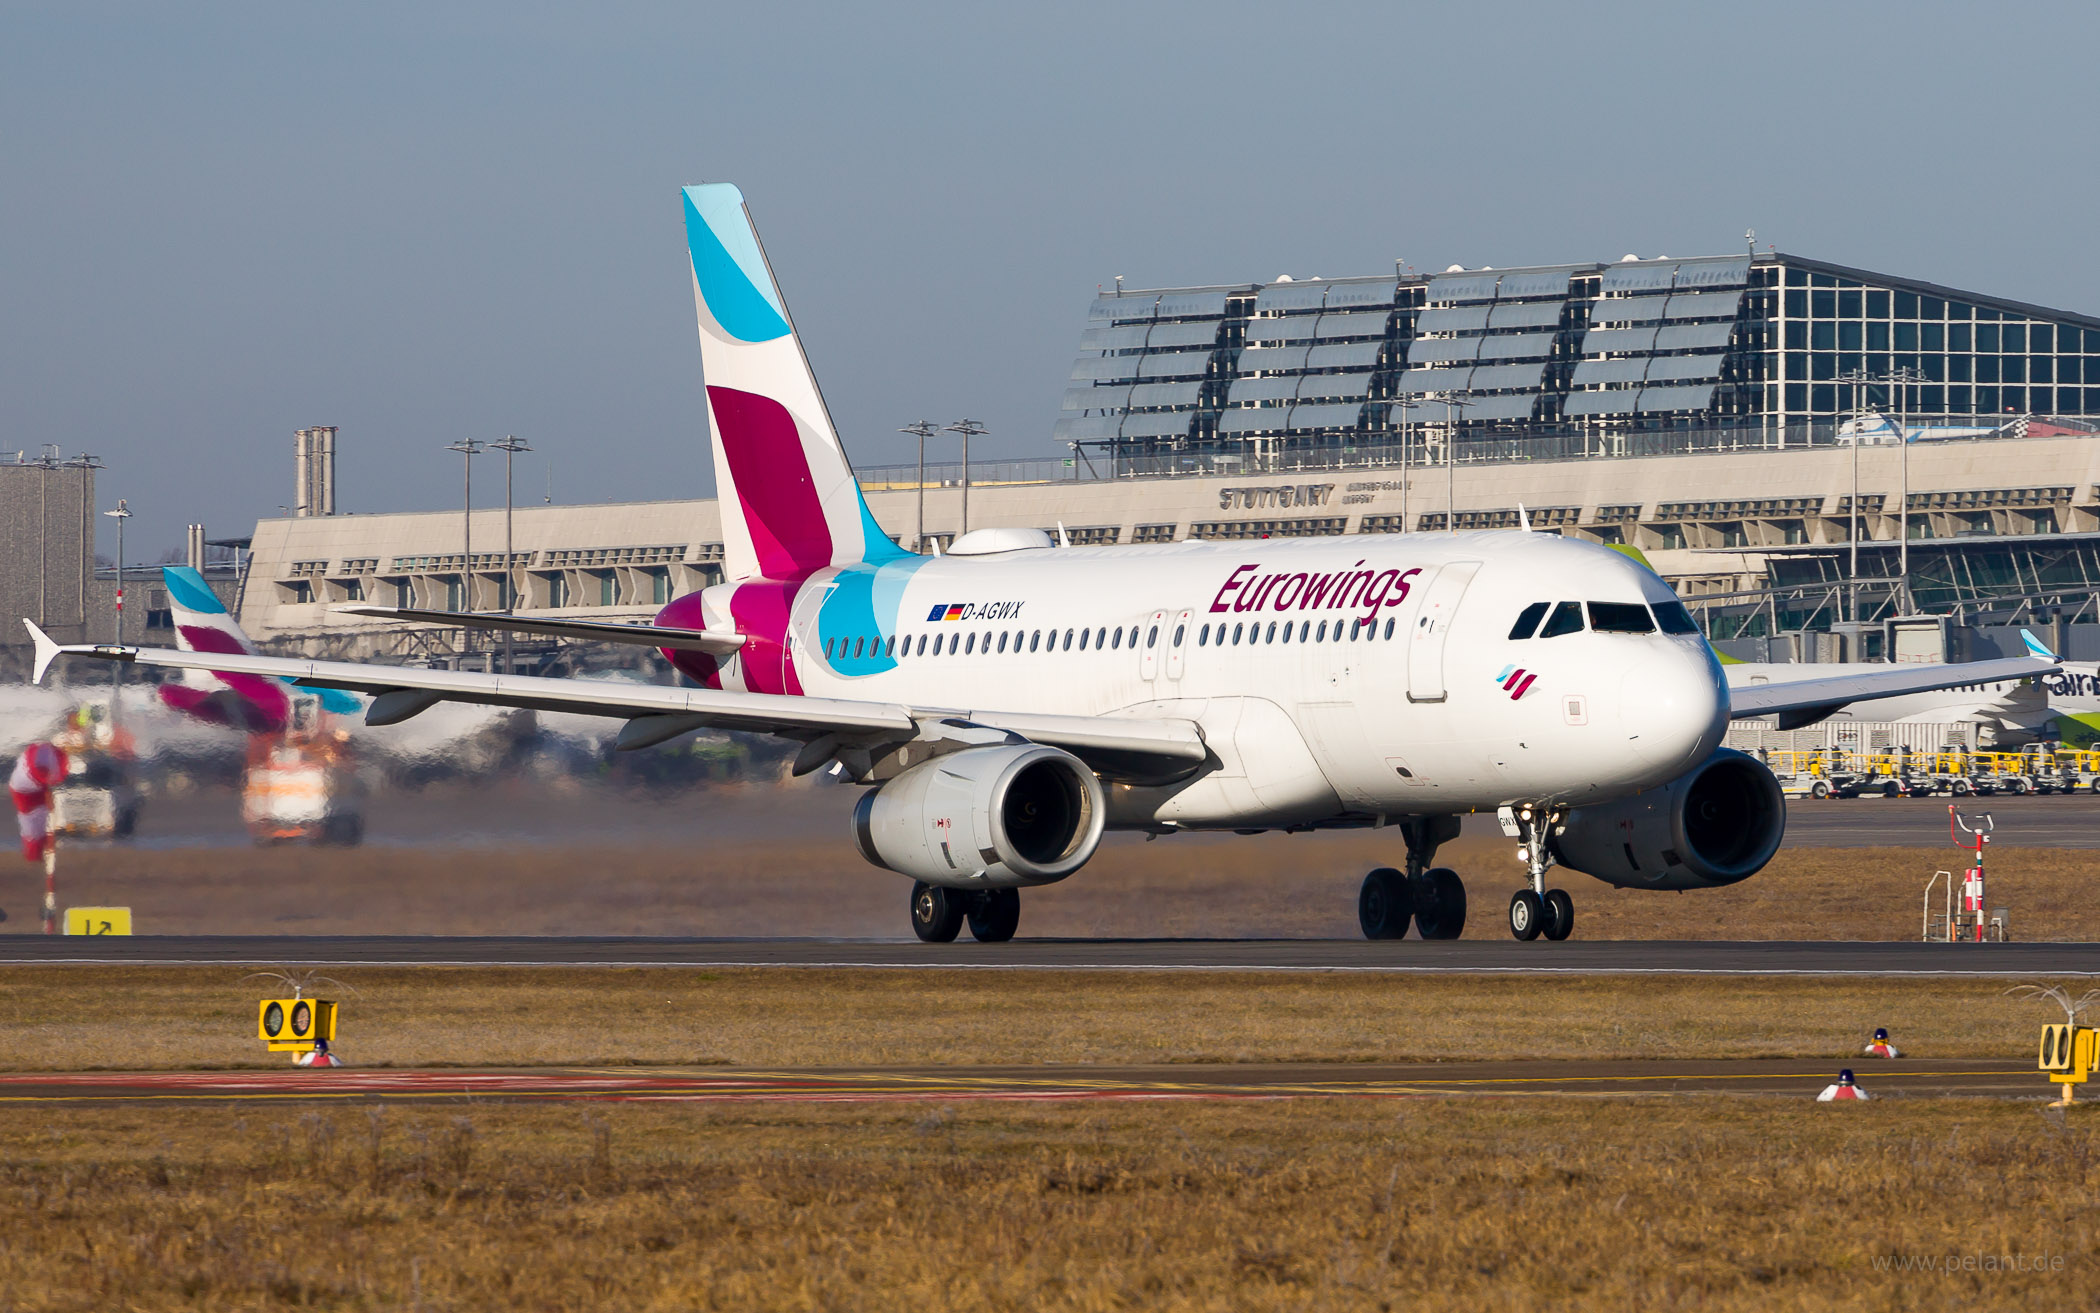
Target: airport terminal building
1735 417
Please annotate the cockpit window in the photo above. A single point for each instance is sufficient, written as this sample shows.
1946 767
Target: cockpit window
1529 620
1566 619
1674 619
1621 618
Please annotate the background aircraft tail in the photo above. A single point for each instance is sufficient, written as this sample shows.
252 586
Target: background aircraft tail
201 621
790 504
203 625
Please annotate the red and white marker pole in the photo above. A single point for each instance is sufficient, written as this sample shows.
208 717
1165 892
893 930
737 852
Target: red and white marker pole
50 886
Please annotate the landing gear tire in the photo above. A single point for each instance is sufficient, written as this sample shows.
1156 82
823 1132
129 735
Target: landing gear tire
1560 915
1442 915
994 916
1383 906
1527 914
936 913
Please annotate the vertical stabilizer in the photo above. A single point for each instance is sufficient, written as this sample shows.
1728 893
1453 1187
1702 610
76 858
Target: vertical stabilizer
789 501
201 621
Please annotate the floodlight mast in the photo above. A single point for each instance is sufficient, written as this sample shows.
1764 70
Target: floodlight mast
468 449
968 428
510 446
1451 403
922 429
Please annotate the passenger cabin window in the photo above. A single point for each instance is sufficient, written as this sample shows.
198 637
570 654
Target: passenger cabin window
1674 619
1566 619
1621 618
1528 620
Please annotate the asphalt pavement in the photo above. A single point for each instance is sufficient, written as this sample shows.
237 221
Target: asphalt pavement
1574 957
1777 1077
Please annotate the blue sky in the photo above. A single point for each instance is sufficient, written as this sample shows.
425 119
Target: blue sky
223 222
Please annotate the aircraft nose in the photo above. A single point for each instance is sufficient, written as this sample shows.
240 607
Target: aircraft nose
1673 711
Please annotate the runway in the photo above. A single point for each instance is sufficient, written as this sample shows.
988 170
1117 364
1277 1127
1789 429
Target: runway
1575 957
1778 1077
2036 821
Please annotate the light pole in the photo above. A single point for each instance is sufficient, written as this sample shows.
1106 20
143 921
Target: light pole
1451 404
968 428
510 447
1404 406
468 449
116 698
921 429
1858 379
1901 379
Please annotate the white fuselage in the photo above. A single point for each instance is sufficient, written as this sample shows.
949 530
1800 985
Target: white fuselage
1333 679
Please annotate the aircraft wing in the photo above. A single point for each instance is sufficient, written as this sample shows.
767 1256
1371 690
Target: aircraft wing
604 631
1805 701
655 712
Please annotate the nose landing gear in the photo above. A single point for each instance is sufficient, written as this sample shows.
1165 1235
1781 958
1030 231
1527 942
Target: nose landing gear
1537 910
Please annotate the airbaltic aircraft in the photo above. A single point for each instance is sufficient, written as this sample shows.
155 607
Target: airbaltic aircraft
1013 699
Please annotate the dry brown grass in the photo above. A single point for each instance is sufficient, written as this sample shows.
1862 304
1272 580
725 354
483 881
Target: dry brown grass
1314 1204
138 1018
1263 885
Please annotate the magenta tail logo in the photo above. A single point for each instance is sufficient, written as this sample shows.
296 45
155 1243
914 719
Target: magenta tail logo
1515 681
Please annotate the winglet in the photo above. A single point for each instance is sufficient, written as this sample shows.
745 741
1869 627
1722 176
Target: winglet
46 650
2035 648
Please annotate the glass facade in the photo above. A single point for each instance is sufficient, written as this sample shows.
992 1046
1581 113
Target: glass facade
1571 359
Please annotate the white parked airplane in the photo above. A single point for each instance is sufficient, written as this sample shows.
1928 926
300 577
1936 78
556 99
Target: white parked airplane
2008 710
1011 700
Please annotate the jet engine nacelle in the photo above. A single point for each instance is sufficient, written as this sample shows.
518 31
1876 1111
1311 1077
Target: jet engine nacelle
1717 825
995 817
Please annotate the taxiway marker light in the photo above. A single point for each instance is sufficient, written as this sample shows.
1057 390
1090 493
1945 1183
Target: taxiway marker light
1880 1047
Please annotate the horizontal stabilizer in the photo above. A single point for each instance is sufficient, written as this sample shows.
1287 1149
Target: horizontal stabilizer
603 631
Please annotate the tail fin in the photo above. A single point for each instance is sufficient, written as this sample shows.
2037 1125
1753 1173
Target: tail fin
201 622
203 625
2035 648
790 504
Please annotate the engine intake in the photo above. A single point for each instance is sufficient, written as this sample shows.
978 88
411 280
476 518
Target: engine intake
1716 825
995 817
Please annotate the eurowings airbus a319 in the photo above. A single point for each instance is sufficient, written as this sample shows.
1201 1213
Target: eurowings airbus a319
1008 702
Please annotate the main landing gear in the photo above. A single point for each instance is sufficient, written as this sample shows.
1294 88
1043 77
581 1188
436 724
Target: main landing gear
1537 910
938 914
1432 897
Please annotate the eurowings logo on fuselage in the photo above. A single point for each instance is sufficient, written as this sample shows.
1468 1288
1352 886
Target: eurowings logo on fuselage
1516 681
1352 589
